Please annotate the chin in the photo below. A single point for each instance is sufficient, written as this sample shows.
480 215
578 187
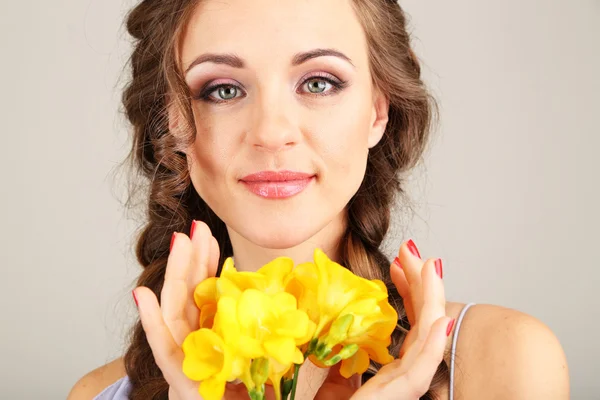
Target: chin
279 236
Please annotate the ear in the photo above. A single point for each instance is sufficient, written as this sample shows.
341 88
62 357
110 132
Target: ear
379 117
175 122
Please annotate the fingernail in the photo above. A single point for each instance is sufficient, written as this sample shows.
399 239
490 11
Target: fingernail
438 268
192 229
172 241
449 328
134 297
413 248
397 262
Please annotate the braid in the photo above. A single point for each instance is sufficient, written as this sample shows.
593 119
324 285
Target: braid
368 222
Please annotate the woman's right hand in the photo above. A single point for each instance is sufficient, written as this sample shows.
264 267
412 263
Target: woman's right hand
167 325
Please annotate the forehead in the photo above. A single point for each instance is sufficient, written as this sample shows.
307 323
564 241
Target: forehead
273 30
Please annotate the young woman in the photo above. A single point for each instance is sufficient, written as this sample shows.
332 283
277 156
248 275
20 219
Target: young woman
270 128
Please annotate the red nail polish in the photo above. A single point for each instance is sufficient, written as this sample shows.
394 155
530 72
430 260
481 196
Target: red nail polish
413 248
192 229
172 241
397 262
438 268
450 326
134 297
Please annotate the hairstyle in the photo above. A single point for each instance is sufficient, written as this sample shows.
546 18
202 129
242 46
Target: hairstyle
171 202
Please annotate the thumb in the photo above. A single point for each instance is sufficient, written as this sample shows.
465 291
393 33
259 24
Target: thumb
413 381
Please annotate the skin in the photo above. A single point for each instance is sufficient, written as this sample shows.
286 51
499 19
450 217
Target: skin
276 123
272 121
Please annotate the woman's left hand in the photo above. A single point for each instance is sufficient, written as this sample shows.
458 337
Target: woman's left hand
408 377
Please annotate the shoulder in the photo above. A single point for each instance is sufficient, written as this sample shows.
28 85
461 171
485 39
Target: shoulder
94 382
507 354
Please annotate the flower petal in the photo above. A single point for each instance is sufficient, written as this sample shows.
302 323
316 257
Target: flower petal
284 302
226 287
282 349
293 324
254 313
276 273
377 351
226 323
357 364
212 389
206 292
250 347
207 315
204 354
298 357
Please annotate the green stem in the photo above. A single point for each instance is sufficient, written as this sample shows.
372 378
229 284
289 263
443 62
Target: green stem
295 382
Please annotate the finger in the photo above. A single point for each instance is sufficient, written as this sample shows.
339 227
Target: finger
410 260
434 307
434 298
413 381
412 266
215 254
399 280
175 293
167 354
201 244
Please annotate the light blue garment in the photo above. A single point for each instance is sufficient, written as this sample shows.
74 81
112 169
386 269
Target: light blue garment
117 391
120 389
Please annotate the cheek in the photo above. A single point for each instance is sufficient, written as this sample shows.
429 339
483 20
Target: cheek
213 152
343 139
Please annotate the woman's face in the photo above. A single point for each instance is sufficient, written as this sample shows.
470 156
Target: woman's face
285 114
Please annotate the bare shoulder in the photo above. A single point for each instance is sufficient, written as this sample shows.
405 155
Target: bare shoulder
507 354
94 382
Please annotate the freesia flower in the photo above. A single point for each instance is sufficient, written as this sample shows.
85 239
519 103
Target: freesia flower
259 327
222 354
354 313
259 322
270 279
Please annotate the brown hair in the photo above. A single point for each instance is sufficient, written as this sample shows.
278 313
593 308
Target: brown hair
172 202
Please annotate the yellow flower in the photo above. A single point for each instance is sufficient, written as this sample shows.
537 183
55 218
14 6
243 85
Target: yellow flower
222 354
205 297
255 326
270 278
371 330
355 319
302 284
338 287
254 320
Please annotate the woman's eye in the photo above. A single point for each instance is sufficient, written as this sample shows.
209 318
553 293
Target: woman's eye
225 92
317 85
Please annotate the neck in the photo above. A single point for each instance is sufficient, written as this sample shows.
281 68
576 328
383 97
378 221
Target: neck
250 257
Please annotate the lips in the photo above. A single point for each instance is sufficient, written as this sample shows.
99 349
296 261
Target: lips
277 184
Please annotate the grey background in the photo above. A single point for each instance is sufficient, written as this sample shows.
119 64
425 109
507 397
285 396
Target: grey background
508 194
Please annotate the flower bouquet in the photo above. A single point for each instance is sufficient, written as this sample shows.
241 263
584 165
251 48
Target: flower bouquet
259 327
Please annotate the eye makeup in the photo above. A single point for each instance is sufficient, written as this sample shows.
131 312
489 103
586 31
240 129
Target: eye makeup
205 94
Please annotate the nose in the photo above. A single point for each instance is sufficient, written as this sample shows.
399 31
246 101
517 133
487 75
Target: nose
273 129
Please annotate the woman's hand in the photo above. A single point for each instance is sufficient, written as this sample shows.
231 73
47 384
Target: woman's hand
420 285
167 325
408 377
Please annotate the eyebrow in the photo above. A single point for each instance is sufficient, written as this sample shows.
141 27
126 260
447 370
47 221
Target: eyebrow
236 62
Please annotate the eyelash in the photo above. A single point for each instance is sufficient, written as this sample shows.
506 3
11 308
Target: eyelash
336 86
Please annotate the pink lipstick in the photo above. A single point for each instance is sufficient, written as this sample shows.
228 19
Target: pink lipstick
277 184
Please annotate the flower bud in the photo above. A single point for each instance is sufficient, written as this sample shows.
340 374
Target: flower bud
259 371
339 330
345 352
